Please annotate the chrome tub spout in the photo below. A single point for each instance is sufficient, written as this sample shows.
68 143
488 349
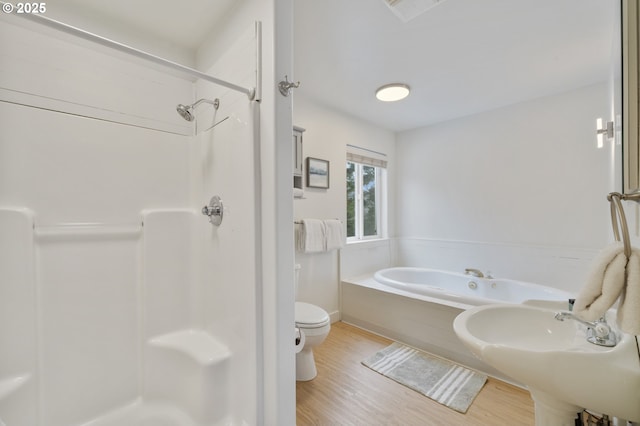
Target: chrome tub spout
474 272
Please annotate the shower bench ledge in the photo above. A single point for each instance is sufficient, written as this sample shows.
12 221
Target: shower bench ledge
197 344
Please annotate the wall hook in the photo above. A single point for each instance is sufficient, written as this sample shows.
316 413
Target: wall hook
285 86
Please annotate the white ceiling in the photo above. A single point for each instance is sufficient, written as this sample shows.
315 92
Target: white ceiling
181 23
460 57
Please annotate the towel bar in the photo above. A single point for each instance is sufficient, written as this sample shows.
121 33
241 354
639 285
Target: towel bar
616 207
627 197
299 222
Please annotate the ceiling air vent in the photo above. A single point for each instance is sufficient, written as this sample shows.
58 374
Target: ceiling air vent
406 10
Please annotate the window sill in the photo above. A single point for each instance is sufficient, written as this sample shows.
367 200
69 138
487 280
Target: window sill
373 242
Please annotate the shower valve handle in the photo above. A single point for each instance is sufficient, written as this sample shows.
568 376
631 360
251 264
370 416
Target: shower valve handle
214 210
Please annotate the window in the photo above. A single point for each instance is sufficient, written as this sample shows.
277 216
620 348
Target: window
365 194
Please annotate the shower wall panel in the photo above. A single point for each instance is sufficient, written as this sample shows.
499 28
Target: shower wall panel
46 69
74 169
89 328
228 158
126 294
18 318
169 271
87 143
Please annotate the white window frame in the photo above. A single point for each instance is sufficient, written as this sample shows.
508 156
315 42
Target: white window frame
380 194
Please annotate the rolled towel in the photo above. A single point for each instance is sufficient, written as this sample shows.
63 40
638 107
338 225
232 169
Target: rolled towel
605 282
335 237
629 308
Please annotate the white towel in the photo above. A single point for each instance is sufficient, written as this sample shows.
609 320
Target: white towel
629 309
612 275
334 234
604 284
310 237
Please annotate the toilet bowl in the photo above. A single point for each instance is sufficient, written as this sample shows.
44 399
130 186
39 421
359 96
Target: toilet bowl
315 324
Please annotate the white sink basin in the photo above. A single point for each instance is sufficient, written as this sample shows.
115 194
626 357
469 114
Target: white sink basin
563 371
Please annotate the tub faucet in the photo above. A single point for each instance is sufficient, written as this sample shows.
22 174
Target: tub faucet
475 272
598 332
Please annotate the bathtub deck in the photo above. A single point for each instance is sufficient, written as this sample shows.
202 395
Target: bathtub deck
347 393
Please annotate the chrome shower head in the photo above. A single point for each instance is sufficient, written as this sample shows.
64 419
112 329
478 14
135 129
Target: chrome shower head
186 111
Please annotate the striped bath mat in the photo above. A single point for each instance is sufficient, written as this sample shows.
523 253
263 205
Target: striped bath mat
441 380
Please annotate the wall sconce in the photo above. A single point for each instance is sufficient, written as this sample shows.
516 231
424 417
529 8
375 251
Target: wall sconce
603 130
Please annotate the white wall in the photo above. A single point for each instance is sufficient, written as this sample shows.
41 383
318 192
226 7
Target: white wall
524 177
326 137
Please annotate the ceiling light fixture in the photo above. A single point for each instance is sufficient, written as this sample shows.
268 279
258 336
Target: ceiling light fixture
392 92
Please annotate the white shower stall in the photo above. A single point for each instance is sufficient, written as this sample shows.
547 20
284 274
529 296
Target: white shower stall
120 304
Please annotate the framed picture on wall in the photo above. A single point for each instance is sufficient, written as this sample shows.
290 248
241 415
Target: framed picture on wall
317 173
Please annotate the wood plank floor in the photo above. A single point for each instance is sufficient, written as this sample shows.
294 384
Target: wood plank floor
345 392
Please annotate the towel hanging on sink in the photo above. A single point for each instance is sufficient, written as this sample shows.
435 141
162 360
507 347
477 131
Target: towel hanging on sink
615 273
605 282
629 309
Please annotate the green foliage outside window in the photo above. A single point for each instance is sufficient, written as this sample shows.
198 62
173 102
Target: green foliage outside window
362 212
369 220
351 199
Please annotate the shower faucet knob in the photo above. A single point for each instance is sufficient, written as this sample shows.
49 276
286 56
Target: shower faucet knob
214 210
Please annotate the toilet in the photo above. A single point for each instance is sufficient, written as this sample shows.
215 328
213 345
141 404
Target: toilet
313 324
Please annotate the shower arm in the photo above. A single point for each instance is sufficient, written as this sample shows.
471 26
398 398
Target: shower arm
215 103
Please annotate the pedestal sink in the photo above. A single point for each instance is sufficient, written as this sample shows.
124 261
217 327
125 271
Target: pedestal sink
563 372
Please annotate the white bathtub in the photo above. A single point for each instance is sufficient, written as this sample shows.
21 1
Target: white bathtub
464 289
417 306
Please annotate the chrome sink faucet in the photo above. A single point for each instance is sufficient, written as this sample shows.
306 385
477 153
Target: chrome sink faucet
474 272
598 332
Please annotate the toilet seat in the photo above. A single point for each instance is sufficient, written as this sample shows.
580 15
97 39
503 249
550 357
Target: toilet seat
310 316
